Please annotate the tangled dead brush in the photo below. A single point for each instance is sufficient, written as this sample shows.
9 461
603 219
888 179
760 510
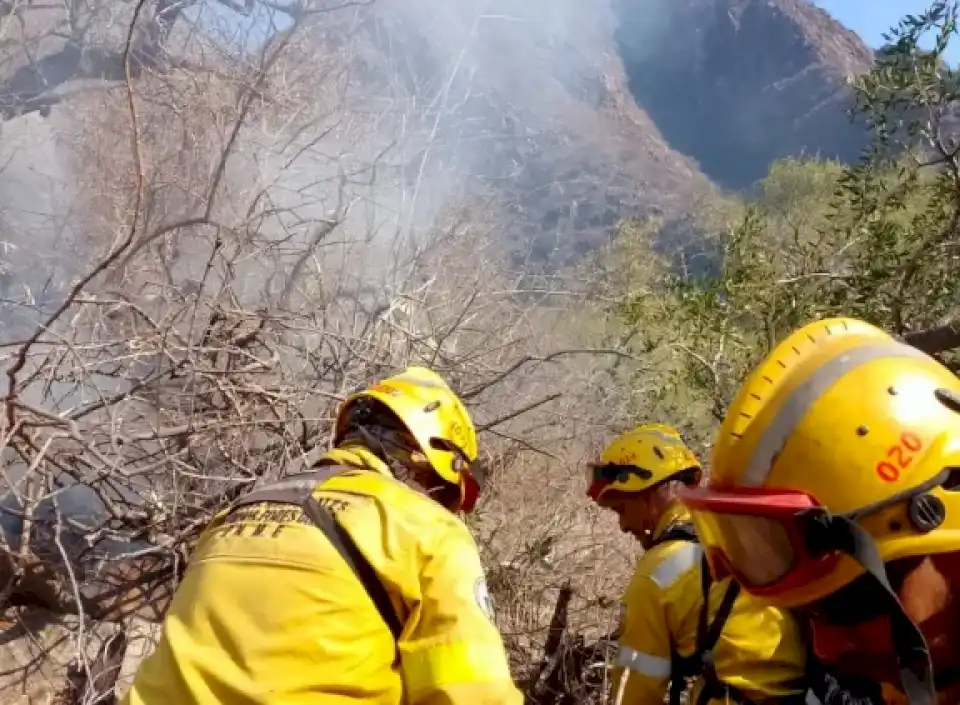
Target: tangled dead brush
224 285
556 577
571 671
154 432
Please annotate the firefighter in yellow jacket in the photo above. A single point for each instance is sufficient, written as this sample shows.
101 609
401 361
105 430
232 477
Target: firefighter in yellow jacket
834 493
739 650
344 584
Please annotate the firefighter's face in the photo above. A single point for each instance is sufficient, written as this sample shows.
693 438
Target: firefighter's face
639 512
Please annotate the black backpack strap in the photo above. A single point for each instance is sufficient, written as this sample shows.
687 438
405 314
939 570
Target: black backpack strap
712 635
298 490
343 542
680 531
700 662
681 667
707 637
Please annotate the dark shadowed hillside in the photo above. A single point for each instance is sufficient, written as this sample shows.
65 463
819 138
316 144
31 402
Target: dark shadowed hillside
736 84
530 104
581 113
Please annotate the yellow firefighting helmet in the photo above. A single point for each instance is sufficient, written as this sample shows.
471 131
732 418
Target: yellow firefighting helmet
866 425
640 459
434 416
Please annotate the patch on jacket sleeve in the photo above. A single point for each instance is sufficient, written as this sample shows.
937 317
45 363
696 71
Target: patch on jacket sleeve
484 600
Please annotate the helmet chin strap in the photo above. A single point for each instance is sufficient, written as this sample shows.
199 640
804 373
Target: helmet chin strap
404 464
913 654
386 448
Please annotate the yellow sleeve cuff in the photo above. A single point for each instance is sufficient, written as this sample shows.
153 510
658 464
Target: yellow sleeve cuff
438 665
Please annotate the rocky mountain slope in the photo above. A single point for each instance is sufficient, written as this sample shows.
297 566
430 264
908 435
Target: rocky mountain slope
574 113
738 83
582 113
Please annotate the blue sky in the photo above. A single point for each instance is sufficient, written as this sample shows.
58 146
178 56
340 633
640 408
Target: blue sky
871 18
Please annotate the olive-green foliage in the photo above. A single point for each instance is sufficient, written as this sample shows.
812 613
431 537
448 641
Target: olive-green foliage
877 240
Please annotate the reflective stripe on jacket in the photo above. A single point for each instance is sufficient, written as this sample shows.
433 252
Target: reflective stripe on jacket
760 650
269 612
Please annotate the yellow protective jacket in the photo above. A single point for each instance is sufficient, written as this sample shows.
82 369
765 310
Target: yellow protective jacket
760 651
269 612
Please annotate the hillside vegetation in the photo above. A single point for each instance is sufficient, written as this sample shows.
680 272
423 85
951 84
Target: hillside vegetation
249 233
877 240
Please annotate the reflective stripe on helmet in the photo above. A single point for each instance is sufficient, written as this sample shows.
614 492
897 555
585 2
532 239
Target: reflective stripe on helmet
800 401
665 437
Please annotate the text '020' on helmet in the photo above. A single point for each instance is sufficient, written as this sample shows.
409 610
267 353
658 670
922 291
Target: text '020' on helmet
841 420
640 459
437 420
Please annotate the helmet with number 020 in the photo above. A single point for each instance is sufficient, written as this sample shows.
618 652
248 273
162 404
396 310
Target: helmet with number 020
435 417
842 421
640 459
